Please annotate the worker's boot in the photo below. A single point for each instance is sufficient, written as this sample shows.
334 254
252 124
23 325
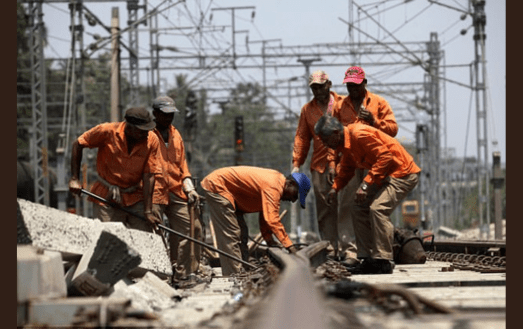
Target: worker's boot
371 266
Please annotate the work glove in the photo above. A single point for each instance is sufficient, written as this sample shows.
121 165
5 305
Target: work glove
295 170
292 249
193 198
331 196
361 193
365 115
75 186
331 175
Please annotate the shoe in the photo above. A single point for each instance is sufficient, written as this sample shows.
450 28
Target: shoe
371 266
380 266
350 262
188 282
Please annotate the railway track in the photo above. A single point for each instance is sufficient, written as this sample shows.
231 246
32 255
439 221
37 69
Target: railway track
310 290
461 285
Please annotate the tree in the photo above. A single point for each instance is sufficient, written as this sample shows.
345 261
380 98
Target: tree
470 209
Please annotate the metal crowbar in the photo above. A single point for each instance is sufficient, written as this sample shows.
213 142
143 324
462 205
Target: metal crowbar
168 229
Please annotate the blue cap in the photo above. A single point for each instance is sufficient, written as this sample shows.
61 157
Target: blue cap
304 185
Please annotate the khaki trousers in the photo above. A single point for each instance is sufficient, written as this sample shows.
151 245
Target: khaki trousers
107 213
372 225
327 215
346 202
231 231
177 213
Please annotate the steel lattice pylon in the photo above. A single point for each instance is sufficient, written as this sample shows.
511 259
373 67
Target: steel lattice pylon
134 79
39 144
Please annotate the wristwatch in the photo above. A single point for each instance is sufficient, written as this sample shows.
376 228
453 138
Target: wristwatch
364 187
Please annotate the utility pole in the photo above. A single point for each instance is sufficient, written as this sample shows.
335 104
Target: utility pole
422 147
497 181
233 28
78 95
432 98
39 142
307 63
263 66
115 66
155 60
134 77
479 22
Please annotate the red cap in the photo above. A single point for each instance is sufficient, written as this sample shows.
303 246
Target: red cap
354 74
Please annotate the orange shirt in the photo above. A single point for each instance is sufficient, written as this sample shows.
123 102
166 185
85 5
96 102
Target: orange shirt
174 167
116 165
384 119
310 114
369 148
252 189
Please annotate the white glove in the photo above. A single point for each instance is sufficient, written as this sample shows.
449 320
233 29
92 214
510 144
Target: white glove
193 197
188 187
295 170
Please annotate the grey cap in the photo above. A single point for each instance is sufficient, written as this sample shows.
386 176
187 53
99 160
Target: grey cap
164 104
140 117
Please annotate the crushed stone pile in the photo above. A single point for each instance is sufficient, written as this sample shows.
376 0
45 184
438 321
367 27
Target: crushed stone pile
71 234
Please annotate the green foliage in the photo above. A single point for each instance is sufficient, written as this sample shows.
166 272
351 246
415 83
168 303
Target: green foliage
268 141
470 210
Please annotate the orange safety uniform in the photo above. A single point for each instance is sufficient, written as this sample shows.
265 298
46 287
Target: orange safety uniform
115 165
369 148
174 168
310 114
384 119
249 190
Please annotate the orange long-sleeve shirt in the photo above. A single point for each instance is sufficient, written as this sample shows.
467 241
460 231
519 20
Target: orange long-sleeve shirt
115 165
369 148
384 119
252 189
310 114
174 167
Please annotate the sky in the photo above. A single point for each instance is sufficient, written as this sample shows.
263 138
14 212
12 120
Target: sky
305 23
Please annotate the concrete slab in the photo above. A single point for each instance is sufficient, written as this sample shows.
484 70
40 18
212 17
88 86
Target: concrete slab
430 274
40 274
70 234
466 298
66 312
469 321
149 294
103 264
201 305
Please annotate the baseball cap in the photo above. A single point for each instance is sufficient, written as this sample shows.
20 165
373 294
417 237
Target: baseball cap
354 74
318 77
164 104
304 185
140 117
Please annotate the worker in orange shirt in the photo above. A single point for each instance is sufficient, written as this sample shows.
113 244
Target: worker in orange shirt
324 102
127 163
174 191
371 109
392 174
232 191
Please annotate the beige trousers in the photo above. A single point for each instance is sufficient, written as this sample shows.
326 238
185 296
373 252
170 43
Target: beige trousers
107 213
372 225
231 232
346 202
177 213
327 215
